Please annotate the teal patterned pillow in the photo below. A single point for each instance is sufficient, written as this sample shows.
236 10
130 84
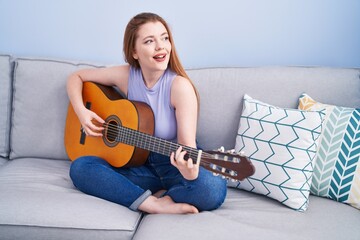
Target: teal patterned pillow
337 162
281 144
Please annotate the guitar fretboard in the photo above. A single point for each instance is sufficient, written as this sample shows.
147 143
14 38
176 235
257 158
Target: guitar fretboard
148 142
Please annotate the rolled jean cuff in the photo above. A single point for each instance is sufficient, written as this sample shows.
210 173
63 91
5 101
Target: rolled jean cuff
135 205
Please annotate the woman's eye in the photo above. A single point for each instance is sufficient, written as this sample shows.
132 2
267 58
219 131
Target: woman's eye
148 41
166 38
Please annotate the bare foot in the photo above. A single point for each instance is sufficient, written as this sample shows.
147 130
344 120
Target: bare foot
166 205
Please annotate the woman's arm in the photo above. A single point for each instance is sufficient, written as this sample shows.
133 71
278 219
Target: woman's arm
111 76
184 100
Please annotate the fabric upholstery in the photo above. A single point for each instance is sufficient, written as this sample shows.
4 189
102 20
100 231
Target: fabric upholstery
250 216
5 103
37 198
40 108
222 89
3 161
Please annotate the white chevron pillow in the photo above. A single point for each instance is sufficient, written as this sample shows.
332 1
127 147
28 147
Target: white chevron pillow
281 144
337 162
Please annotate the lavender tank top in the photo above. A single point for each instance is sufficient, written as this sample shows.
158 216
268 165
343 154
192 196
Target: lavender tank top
158 97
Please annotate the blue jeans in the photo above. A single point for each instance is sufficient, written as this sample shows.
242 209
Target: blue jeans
131 186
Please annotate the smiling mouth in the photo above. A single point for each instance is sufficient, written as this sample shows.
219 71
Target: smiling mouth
160 56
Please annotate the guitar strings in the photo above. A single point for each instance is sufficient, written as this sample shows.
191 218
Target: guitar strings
130 135
127 134
116 132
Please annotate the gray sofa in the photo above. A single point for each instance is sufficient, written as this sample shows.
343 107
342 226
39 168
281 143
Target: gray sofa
39 201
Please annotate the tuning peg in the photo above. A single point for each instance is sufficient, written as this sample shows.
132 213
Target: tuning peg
214 173
221 149
231 151
241 153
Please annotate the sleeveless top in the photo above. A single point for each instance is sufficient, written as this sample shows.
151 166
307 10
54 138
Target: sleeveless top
158 98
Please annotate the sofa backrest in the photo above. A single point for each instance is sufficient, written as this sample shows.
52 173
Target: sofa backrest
222 89
40 102
39 107
5 103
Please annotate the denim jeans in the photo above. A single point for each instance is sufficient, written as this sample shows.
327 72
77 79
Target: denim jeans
131 186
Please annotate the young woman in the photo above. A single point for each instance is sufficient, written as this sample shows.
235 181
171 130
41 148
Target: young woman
153 75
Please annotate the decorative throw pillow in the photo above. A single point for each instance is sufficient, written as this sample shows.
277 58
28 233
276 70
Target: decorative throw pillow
337 162
281 144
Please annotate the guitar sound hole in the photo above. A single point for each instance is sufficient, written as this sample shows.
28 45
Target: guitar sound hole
111 133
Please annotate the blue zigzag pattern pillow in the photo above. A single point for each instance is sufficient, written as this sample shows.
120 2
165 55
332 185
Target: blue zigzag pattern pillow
337 162
281 143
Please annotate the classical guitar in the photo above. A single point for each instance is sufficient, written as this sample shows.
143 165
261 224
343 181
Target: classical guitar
128 136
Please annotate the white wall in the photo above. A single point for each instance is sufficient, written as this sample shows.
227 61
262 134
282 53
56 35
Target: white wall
207 33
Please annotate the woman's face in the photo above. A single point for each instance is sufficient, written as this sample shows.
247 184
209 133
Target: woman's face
152 46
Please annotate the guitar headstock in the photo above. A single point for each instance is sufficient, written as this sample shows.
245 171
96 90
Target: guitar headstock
231 165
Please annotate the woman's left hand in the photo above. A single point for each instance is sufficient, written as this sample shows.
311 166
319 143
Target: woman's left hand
187 168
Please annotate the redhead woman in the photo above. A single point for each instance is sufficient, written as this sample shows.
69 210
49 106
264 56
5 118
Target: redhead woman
154 75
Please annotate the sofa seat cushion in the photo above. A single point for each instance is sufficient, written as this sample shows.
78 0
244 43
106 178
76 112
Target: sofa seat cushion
37 198
250 216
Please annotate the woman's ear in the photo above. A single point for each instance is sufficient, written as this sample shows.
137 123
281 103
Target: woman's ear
135 56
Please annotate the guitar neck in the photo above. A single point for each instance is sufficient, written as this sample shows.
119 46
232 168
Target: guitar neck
151 143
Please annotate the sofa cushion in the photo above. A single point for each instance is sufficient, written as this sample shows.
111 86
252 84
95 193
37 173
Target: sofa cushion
40 107
281 144
39 201
3 161
337 162
249 216
5 103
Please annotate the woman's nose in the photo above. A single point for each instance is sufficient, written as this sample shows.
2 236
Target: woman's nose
159 46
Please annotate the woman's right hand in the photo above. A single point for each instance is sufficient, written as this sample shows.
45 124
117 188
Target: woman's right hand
91 123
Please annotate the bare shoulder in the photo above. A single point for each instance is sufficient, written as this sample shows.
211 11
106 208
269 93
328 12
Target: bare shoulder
182 91
182 85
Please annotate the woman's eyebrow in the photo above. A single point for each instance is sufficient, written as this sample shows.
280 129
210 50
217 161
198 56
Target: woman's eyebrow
152 36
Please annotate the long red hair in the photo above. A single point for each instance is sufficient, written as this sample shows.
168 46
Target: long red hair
130 38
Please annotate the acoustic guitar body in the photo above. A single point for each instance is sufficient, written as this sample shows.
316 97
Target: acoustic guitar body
116 111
